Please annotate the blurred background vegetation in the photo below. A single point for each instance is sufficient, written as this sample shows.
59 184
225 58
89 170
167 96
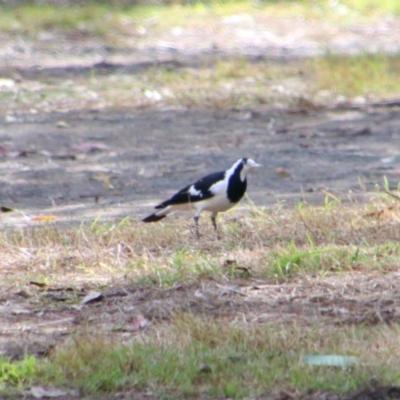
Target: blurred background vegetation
209 54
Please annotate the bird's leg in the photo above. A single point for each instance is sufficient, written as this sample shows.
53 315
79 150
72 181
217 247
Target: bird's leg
214 222
196 221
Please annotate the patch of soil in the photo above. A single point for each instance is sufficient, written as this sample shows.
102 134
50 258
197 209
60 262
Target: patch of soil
37 320
378 393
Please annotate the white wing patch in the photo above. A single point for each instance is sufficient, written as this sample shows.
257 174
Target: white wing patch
219 187
194 192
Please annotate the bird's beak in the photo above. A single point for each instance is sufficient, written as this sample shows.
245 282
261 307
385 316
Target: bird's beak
251 164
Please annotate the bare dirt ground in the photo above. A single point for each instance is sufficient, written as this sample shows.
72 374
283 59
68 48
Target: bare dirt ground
82 163
136 159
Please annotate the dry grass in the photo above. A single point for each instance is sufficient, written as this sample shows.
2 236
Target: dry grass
220 84
244 309
337 236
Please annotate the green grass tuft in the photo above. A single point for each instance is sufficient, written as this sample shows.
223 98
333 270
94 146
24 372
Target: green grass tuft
217 360
18 373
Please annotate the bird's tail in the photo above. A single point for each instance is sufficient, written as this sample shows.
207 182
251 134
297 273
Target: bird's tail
157 216
153 218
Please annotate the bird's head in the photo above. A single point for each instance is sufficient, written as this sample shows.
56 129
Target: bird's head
249 164
244 166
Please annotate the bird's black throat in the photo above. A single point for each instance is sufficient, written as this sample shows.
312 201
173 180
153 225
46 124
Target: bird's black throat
236 187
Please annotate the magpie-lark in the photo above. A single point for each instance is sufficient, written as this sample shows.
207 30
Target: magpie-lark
215 193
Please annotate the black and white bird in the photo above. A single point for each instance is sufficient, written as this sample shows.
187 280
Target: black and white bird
215 193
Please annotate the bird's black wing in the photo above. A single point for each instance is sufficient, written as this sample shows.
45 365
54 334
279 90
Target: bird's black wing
204 184
197 191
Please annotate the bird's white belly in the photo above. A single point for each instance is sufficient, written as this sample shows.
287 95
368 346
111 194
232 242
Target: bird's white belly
214 204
